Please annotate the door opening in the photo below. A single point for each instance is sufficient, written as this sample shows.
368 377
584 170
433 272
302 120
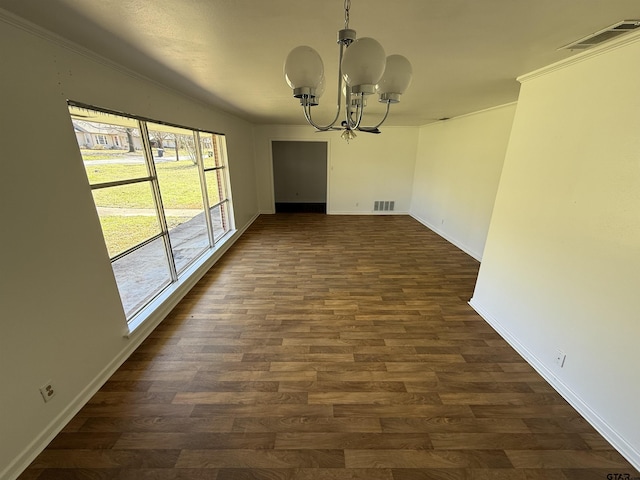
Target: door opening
300 176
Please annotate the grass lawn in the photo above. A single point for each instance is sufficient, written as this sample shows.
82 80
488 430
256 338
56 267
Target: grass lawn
108 154
179 185
121 233
179 188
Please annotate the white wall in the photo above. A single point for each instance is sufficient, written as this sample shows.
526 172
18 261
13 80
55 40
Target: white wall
457 172
370 167
61 318
561 268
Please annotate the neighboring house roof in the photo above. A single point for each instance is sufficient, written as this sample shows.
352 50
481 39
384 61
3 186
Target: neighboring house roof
99 128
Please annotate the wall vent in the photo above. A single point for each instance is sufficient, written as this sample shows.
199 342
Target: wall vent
604 35
384 205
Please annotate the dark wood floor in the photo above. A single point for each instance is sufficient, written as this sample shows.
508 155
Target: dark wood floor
329 347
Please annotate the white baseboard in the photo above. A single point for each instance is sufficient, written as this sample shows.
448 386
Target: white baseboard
619 443
461 246
135 338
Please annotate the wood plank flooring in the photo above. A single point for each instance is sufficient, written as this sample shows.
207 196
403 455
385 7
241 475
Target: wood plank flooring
329 347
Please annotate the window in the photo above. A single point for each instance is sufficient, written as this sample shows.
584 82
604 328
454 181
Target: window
213 161
101 139
161 198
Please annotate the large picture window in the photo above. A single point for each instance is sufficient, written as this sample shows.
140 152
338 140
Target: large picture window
161 195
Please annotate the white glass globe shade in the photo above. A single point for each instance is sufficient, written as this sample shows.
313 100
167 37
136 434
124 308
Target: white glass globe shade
397 75
303 68
315 100
363 62
321 87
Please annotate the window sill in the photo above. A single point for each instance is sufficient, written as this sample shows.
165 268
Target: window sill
155 311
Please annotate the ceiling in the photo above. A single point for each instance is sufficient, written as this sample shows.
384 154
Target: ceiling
466 54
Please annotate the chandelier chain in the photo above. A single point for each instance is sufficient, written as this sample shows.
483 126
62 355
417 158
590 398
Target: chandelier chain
347 7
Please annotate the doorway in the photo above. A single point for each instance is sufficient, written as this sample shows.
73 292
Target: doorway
299 176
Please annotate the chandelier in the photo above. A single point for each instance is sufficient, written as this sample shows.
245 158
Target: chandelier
363 69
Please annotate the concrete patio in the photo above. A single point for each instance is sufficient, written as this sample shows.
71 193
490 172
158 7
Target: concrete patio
144 273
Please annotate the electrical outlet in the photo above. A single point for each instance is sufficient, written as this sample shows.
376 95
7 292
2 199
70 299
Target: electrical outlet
47 391
560 358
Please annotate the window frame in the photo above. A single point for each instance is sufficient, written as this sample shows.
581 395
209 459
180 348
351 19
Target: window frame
221 183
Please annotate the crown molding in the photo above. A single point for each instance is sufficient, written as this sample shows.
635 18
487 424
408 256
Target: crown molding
40 32
55 39
607 47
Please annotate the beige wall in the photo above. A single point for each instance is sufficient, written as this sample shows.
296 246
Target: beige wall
457 173
61 316
561 268
371 167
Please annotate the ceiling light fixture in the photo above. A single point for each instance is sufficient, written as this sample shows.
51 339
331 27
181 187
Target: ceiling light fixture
363 67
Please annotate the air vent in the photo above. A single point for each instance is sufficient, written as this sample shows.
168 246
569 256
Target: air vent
384 205
609 33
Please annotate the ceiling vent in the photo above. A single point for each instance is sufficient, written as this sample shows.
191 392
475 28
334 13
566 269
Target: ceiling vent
602 36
